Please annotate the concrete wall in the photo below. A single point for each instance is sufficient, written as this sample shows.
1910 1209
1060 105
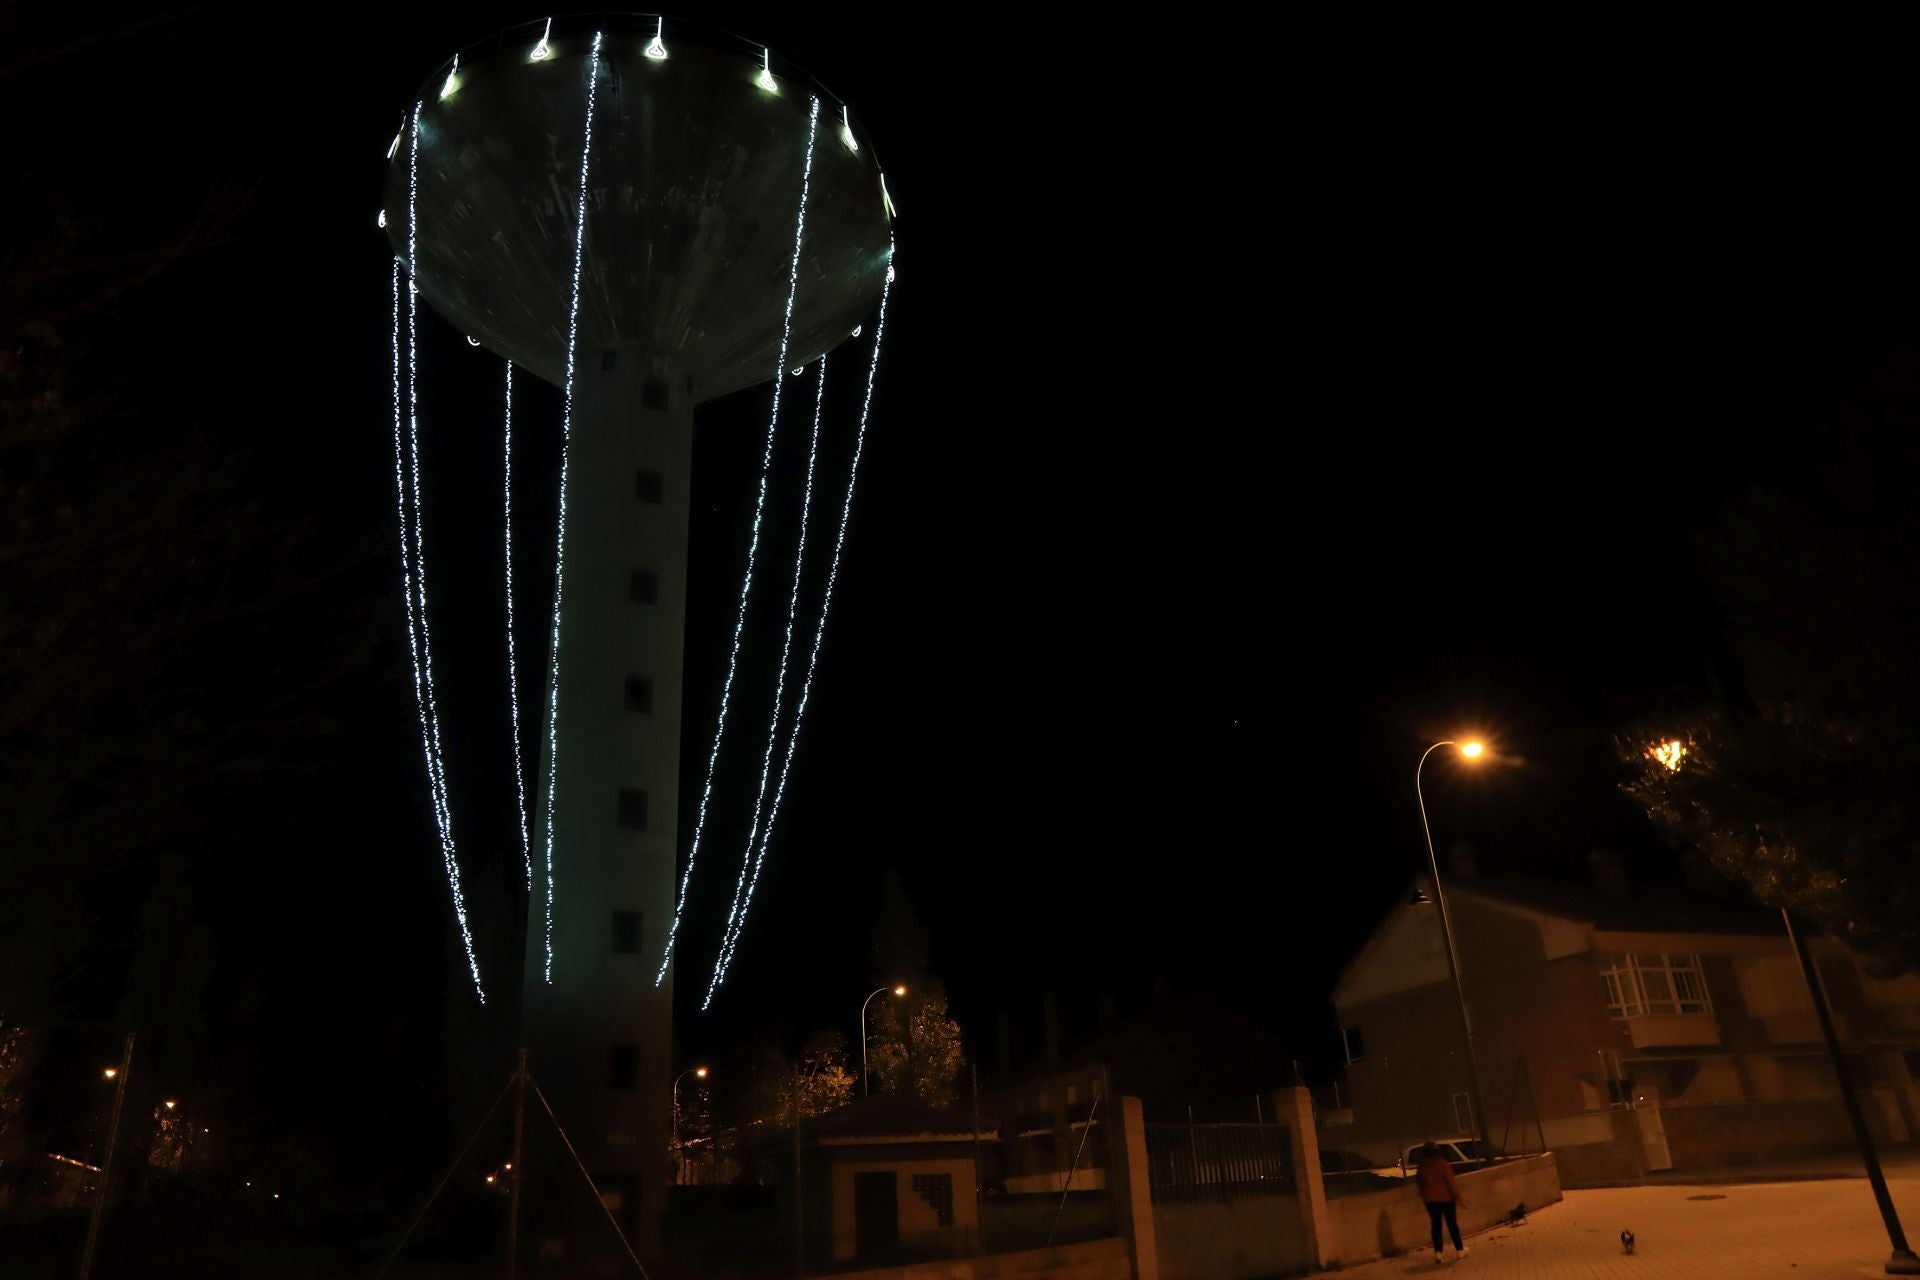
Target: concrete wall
1388 1223
1702 1137
1259 1236
1093 1260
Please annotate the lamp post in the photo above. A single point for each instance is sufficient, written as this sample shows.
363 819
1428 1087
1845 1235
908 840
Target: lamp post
1469 750
698 1073
898 990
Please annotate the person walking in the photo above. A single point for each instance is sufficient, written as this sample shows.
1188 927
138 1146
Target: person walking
1434 1177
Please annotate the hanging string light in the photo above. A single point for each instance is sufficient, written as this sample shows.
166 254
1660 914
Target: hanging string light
414 563
513 674
753 547
780 681
813 653
560 539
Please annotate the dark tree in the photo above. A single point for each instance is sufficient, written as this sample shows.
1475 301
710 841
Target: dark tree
1800 782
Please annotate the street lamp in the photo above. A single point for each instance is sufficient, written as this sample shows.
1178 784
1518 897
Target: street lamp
898 990
1472 749
698 1073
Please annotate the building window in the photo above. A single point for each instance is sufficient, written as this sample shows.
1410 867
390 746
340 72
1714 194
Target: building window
640 695
1646 983
1462 1113
937 1190
623 1066
649 486
633 808
1356 1047
626 933
643 587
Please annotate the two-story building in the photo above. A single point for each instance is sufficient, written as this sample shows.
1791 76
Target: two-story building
1628 1032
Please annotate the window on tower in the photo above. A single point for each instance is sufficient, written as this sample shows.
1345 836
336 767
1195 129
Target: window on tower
626 933
633 808
623 1066
640 695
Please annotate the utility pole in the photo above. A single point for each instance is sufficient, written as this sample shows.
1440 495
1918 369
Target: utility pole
1902 1262
514 1167
106 1161
799 1204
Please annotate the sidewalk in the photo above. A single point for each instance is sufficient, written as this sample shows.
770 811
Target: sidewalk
1898 1164
1806 1230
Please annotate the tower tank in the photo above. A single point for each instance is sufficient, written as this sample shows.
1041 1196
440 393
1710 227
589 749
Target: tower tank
685 267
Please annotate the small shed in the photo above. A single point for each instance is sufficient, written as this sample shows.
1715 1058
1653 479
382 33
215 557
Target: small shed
894 1177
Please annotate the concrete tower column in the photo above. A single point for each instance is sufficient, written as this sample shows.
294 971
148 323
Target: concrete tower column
600 1033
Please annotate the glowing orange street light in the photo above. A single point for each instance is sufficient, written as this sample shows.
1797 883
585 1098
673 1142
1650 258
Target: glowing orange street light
899 989
1471 749
111 1072
168 1104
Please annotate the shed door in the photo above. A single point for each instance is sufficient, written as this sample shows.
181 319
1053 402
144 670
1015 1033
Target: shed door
876 1213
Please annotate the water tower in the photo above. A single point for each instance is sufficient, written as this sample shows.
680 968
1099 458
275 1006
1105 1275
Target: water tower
689 275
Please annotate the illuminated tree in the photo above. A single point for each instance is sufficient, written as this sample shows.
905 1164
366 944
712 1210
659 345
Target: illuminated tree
817 1082
916 1047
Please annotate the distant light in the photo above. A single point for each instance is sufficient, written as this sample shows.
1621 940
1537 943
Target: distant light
886 197
856 331
472 341
699 1073
766 80
846 130
799 369
395 144
900 990
276 1195
381 220
453 79
656 50
1472 750
168 1104
489 1179
541 51
1672 753
111 1072
889 273
508 1165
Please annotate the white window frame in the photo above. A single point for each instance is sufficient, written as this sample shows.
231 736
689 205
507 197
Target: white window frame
1644 983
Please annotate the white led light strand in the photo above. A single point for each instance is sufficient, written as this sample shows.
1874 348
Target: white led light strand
560 539
513 673
780 680
753 547
417 577
819 634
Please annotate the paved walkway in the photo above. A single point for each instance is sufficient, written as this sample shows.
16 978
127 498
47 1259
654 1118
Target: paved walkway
1816 1230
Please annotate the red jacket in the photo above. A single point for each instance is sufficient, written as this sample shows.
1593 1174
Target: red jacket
1435 1179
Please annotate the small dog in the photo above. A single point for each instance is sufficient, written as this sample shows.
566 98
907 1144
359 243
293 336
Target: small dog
1517 1215
1626 1241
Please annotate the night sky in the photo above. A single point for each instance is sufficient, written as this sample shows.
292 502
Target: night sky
1258 406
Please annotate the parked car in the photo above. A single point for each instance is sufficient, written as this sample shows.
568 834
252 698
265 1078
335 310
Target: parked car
1334 1160
1460 1153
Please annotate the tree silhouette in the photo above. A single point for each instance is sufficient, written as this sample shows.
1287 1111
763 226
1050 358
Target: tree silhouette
1800 783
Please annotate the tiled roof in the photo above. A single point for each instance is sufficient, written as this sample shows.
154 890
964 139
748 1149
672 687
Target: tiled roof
1639 911
893 1116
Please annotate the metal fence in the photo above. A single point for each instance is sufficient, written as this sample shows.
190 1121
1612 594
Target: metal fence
1188 1163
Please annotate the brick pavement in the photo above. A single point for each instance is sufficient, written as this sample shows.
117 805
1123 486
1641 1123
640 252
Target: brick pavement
1817 1230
